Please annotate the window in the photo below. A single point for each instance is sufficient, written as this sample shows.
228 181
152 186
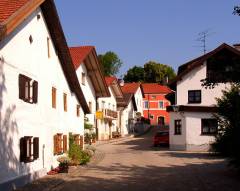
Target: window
29 149
161 106
54 100
48 47
90 106
177 127
28 89
30 39
194 96
65 102
209 126
83 78
78 110
153 97
146 104
60 144
151 116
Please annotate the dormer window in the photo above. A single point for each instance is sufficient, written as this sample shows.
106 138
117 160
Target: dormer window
194 96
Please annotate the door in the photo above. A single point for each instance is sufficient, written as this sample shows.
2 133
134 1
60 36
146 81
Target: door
161 121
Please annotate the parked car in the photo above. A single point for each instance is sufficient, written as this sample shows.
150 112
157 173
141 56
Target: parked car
161 138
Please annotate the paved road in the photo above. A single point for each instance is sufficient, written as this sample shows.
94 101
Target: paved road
133 164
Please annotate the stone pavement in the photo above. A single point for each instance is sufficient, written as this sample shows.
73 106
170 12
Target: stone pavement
133 164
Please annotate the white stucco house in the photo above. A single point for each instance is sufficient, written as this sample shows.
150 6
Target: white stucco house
91 79
192 124
41 101
108 123
129 106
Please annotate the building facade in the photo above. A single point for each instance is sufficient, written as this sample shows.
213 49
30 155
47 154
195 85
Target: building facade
155 103
41 99
192 125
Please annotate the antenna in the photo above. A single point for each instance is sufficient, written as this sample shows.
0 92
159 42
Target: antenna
202 39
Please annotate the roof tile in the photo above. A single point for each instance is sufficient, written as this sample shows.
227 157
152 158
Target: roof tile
155 88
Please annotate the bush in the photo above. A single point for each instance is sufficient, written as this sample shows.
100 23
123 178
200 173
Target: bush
227 140
90 147
78 156
85 158
63 160
89 152
88 126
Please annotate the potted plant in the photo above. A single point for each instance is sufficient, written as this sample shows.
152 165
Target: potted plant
63 164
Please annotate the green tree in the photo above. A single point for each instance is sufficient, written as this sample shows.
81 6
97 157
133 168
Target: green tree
110 63
134 74
236 10
227 140
158 73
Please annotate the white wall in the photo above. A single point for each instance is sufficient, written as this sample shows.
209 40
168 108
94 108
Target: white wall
126 119
88 91
139 100
104 129
19 118
177 142
192 81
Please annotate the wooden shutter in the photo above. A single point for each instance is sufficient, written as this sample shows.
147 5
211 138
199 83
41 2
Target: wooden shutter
23 149
35 92
64 143
54 90
35 148
81 141
21 86
55 144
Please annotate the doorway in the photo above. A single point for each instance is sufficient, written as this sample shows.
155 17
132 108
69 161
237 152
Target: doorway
161 121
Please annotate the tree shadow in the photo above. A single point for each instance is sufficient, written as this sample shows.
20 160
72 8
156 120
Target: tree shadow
10 166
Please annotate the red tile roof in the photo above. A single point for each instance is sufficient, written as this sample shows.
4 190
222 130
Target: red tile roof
78 54
130 87
9 7
155 88
109 79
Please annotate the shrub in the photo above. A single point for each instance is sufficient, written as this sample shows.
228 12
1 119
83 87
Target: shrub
75 152
90 147
88 126
89 152
227 140
63 160
85 158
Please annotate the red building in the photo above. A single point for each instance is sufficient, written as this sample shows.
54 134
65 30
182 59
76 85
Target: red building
155 103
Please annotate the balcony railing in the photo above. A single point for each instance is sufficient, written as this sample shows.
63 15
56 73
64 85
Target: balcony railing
108 113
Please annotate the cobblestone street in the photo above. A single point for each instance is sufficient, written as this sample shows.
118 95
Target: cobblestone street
133 164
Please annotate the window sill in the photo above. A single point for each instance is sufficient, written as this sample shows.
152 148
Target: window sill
177 134
208 134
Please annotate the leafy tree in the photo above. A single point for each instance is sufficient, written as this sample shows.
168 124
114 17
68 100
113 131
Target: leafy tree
158 73
134 74
227 140
236 10
110 63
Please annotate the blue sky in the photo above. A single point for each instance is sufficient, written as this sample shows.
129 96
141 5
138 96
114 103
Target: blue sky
141 30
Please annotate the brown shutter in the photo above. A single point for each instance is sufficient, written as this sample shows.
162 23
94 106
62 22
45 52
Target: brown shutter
35 148
81 141
23 149
35 92
64 143
21 86
55 144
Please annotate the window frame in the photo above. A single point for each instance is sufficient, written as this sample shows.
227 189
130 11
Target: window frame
177 127
209 132
65 102
162 104
194 96
83 78
146 102
29 149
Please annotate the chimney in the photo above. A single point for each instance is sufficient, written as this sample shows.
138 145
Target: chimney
121 82
237 46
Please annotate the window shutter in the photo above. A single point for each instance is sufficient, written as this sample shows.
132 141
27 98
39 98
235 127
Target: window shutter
35 148
55 144
81 141
23 149
21 86
35 92
64 143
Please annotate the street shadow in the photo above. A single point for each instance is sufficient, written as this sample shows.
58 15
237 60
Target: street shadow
117 177
9 161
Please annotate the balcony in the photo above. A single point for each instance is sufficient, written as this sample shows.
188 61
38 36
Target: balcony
110 114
